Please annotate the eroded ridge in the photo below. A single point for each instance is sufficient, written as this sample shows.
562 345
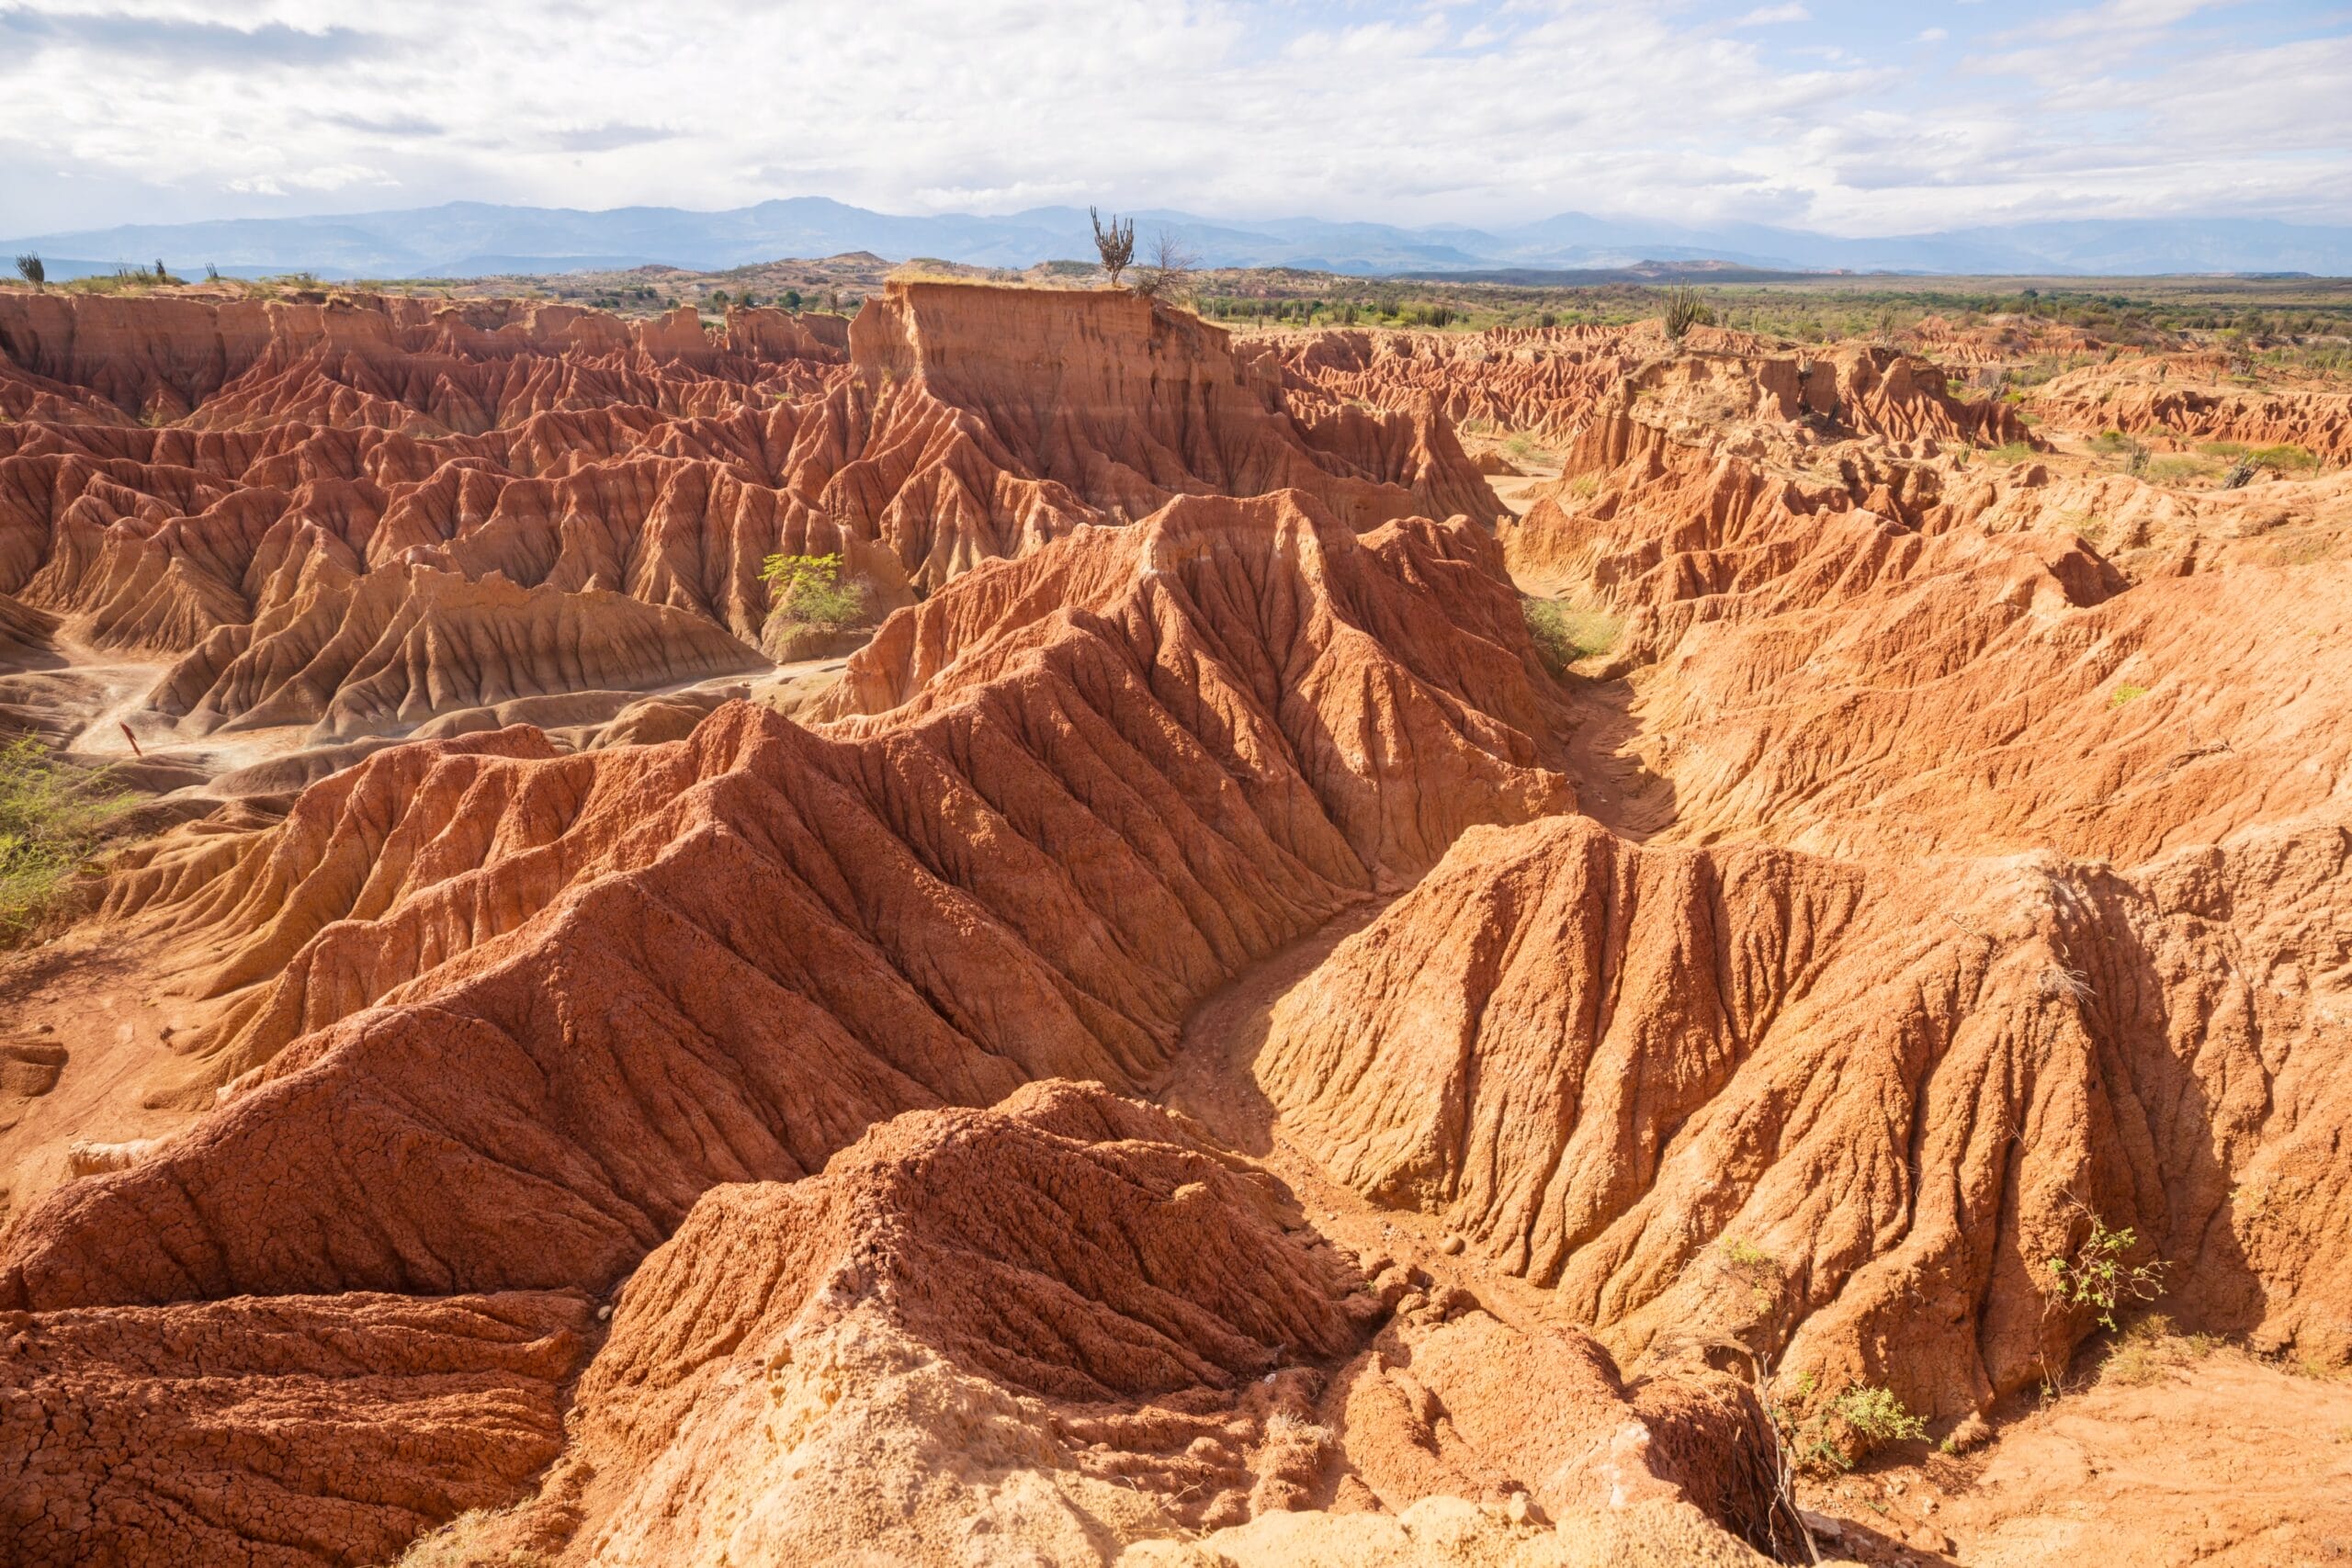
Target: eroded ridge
1063 1317
1622 1071
476 993
359 515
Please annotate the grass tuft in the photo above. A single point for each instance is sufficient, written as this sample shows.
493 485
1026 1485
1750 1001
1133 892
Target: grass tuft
52 815
1563 636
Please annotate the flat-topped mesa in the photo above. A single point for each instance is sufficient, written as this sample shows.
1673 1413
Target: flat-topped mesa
1124 403
164 356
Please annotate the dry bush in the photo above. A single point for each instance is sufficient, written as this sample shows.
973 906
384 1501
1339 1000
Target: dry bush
1166 274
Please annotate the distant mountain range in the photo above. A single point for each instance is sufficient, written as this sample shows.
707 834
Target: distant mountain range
466 239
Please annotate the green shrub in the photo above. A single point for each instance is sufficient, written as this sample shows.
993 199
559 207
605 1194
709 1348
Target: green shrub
2125 693
2288 458
810 590
1564 636
2099 1278
1876 1417
50 819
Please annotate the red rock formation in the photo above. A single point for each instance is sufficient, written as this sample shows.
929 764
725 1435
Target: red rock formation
1991 882
1630 1073
287 1432
1062 1315
1107 775
1555 382
1542 383
2178 404
569 453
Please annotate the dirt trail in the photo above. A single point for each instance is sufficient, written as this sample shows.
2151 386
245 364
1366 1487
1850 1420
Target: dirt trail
91 1008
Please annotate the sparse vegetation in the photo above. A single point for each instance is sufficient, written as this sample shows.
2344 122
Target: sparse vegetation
2116 446
1875 1417
2127 693
1831 1438
51 817
2098 1276
1563 636
34 270
462 1543
2286 459
1165 276
1115 245
2057 981
810 591
2149 1348
2181 470
1685 309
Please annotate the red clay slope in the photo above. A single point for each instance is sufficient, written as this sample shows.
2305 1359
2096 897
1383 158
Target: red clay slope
502 1016
1062 1319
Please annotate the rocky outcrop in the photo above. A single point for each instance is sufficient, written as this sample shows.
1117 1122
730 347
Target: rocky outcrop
1553 383
298 464
1540 382
289 1432
1058 1319
1844 1113
1083 788
2177 403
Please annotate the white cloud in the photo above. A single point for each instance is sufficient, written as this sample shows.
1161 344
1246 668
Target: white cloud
1390 109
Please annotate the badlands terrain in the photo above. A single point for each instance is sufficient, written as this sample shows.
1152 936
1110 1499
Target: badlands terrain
1558 945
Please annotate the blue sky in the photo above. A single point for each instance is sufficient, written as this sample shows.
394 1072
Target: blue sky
1828 114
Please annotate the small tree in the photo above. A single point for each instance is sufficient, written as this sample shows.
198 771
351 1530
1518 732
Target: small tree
791 299
1117 244
36 272
160 275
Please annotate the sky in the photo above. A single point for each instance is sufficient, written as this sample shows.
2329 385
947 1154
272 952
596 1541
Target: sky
1836 114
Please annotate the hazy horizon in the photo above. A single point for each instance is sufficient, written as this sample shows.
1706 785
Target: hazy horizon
1838 118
